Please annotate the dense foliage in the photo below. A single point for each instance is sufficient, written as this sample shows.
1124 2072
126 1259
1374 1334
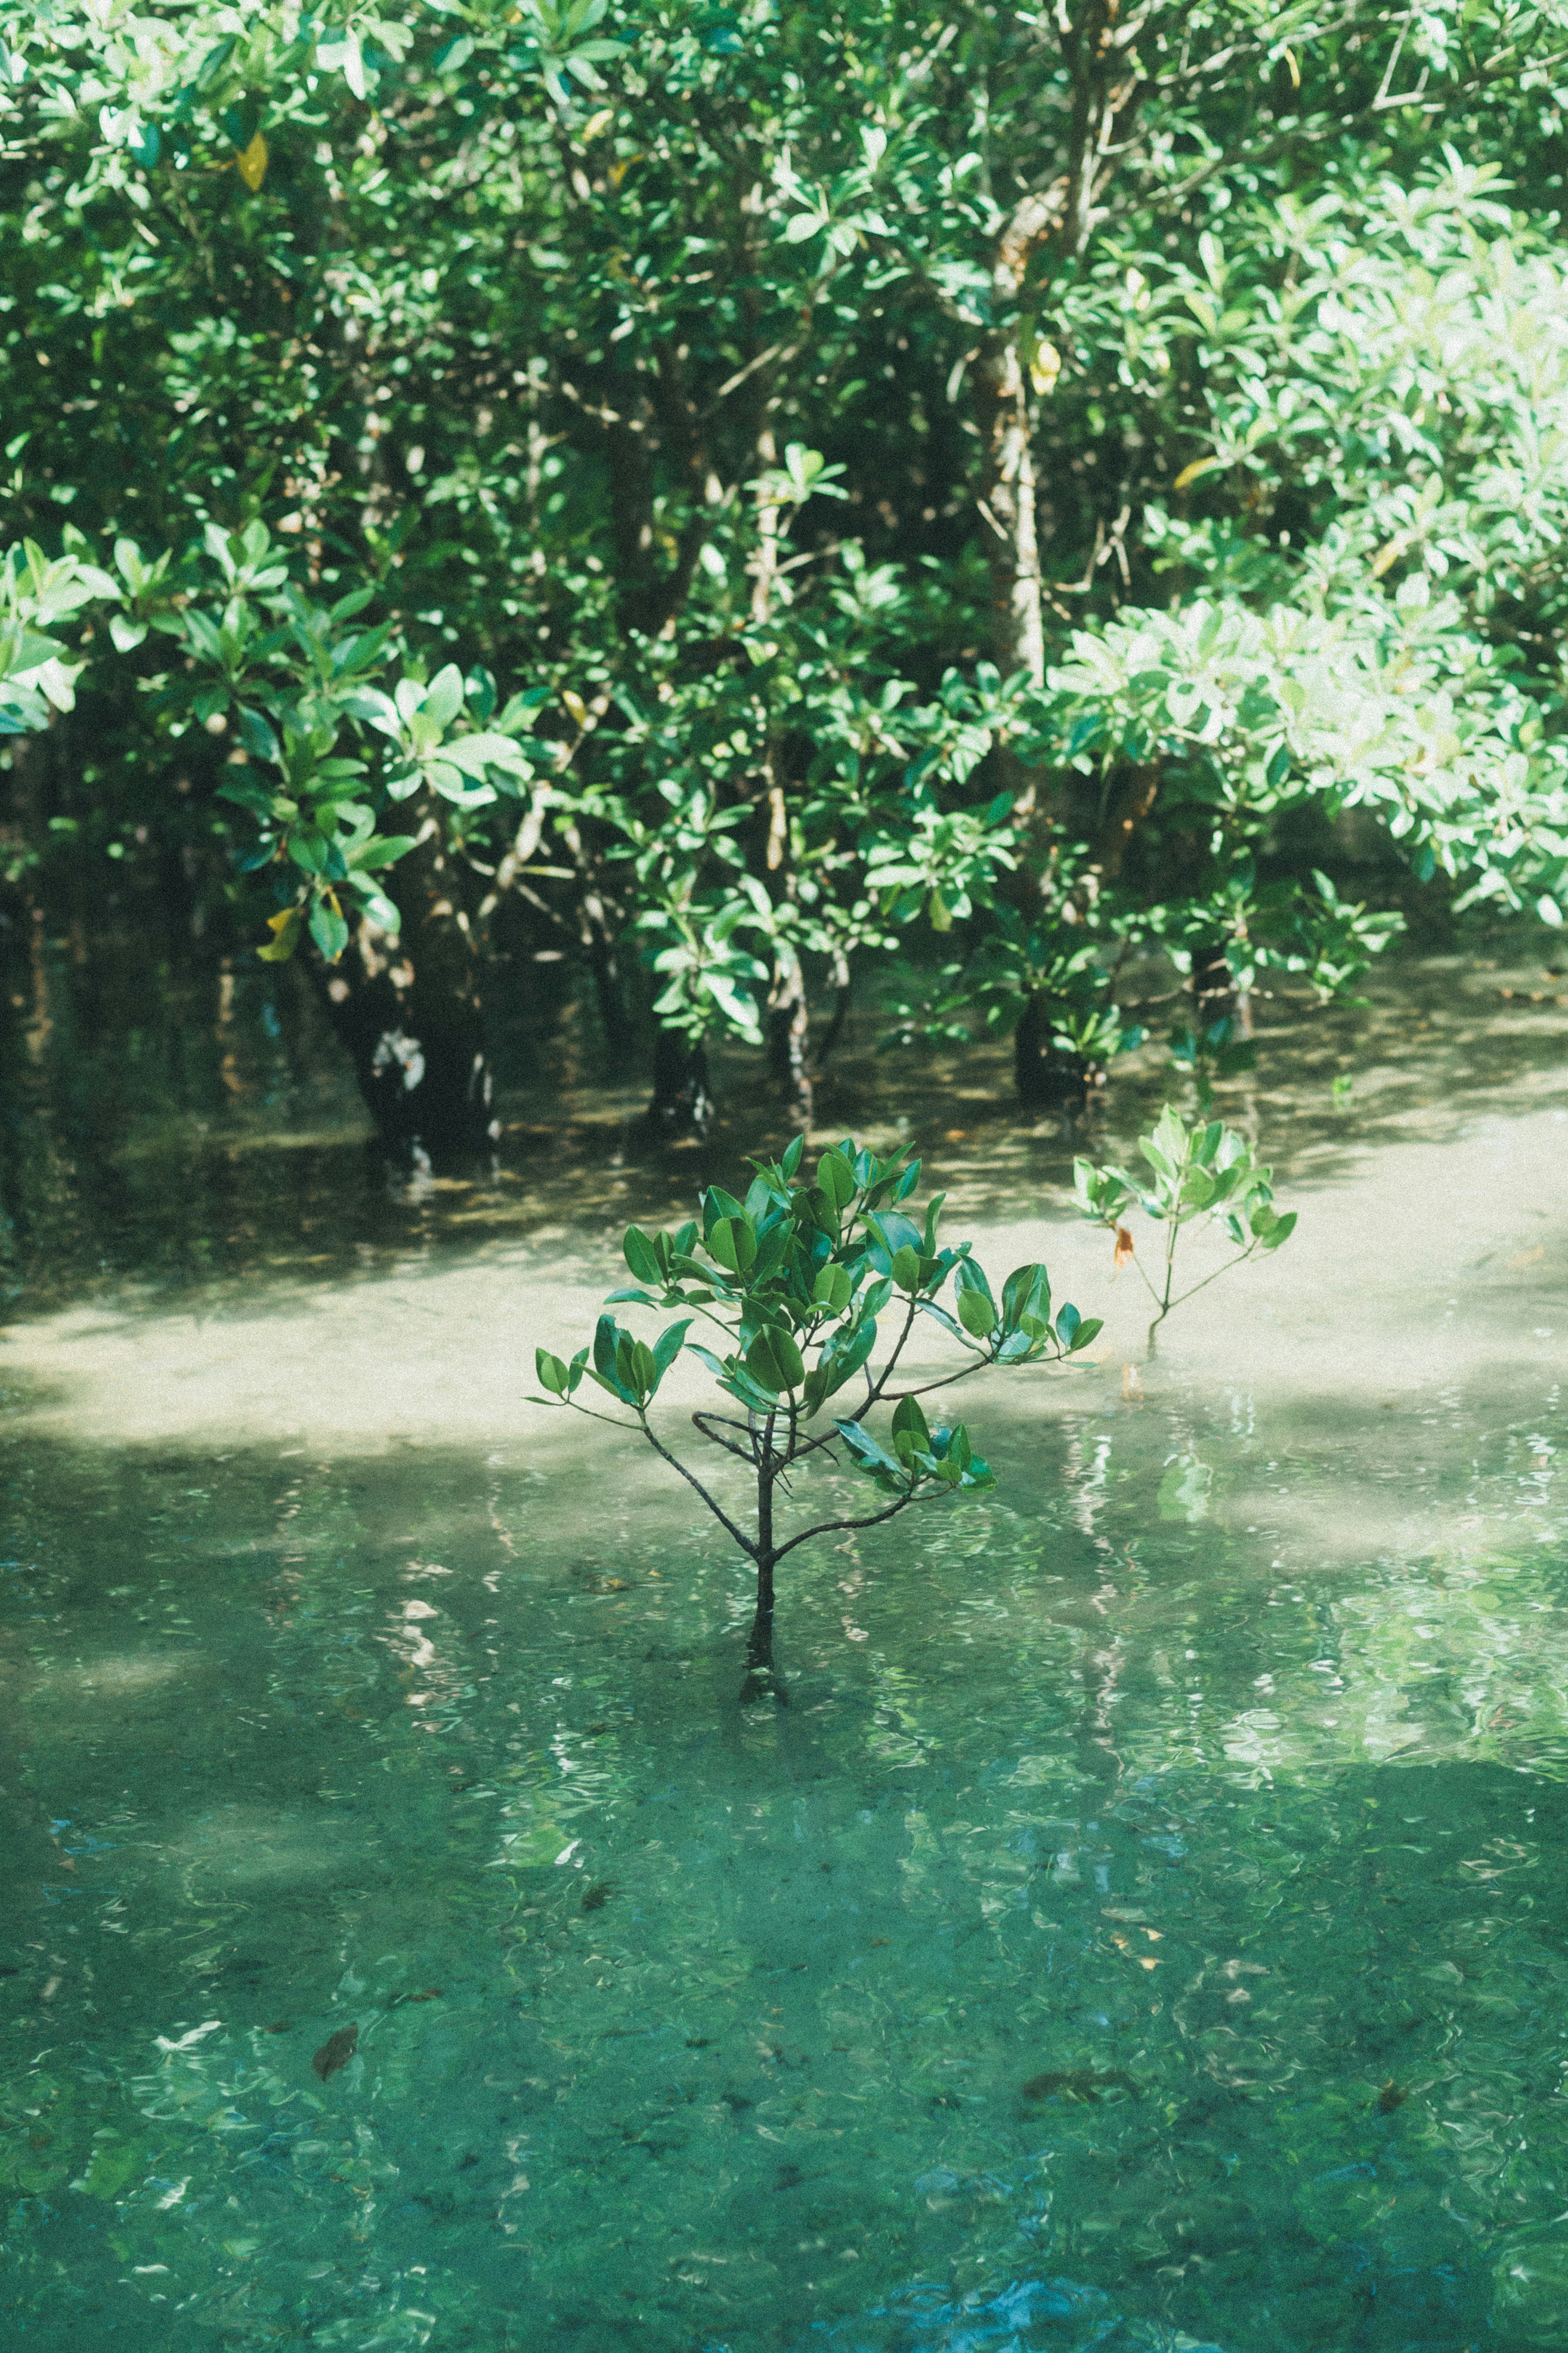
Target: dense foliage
728 497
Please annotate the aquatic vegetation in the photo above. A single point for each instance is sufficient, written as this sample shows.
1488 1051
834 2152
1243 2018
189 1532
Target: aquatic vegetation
814 1265
1202 1172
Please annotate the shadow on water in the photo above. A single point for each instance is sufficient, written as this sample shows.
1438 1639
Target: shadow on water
1146 1927
195 1129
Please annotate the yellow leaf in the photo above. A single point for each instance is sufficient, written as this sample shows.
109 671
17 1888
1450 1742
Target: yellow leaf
284 930
1190 473
1387 557
1295 69
598 124
576 706
1044 367
251 162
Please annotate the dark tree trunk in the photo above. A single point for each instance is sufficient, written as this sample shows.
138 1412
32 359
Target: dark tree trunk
837 1019
762 1679
408 1014
1215 997
787 1032
1048 1078
682 1100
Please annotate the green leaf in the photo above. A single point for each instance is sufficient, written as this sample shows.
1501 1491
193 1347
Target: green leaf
328 929
1027 1291
846 1352
735 1244
667 1346
837 1178
773 1361
869 1456
976 1313
641 1256
905 1269
910 1422
832 1289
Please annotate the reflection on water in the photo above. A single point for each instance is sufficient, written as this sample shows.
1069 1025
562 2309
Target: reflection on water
1147 1928
1137 1932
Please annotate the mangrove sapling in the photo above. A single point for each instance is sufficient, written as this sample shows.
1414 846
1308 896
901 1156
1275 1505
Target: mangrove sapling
806 1271
1197 1172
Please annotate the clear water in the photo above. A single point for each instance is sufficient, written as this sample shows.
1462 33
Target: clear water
1147 1926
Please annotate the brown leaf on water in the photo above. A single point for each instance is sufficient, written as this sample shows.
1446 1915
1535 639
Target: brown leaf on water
597 1897
431 1993
1123 1251
278 2026
336 2051
1390 2098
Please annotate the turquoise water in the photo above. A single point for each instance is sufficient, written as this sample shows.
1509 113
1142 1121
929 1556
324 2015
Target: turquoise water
1147 1926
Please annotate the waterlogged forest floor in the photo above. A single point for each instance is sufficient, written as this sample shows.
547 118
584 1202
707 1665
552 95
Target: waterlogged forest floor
1145 1927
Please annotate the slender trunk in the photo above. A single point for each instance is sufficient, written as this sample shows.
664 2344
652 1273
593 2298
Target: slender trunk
762 1679
1018 621
682 1098
844 981
409 1014
1047 1077
787 1035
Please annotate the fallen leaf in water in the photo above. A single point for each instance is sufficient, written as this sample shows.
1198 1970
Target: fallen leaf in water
1390 2098
1530 1257
431 1993
956 1135
278 2026
597 1897
1148 1964
336 2051
1123 1251
880 1940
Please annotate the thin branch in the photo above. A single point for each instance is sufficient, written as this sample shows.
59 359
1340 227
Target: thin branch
743 1453
828 1527
747 1546
887 1372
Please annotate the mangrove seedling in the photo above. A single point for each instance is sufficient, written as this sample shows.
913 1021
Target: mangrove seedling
810 1286
1205 1172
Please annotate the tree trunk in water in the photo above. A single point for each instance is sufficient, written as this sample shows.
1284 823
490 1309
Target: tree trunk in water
409 1015
1048 1078
788 1031
761 1679
682 1100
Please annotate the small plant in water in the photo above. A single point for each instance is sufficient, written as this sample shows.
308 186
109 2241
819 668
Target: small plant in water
1196 1171
797 1279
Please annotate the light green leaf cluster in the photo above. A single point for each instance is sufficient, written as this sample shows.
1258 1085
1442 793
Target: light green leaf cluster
1205 1171
798 1280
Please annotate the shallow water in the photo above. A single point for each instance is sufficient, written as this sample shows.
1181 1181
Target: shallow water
1147 1925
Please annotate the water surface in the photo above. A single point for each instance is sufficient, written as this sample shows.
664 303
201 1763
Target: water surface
1147 1926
